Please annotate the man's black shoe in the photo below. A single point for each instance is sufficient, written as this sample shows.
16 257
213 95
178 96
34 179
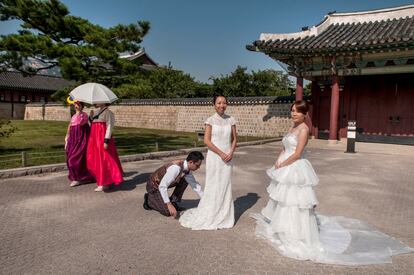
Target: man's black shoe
178 208
146 205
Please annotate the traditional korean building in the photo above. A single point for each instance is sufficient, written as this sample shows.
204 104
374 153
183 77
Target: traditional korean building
361 65
17 90
142 58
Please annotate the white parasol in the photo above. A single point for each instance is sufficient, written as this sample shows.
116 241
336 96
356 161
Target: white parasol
93 93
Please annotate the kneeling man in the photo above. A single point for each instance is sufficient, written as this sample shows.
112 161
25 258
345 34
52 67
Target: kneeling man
173 174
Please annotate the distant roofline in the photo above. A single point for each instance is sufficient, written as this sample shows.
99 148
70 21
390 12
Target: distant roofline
136 54
55 82
374 11
32 75
346 18
139 53
257 100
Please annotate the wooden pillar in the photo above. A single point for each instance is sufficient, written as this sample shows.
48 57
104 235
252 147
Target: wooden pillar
344 111
315 90
12 103
299 88
333 119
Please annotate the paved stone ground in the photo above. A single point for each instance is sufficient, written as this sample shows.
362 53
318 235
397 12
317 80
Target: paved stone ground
48 228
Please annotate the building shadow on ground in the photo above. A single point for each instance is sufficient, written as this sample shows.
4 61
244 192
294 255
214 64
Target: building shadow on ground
131 183
187 204
241 204
128 174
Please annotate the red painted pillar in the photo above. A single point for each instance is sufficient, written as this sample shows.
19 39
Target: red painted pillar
333 120
315 90
299 88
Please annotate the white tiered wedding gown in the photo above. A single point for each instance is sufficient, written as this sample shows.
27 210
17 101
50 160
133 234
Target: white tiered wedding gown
296 231
216 208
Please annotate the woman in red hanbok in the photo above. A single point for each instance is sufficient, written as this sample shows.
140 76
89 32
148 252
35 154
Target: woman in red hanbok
102 158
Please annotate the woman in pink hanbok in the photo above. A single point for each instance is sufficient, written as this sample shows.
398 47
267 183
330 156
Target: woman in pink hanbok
76 142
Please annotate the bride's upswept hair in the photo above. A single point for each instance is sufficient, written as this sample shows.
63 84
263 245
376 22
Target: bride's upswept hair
217 96
218 93
302 106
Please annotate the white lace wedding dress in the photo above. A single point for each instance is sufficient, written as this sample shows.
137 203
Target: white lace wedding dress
215 209
295 230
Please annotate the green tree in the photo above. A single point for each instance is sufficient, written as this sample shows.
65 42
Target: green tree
204 90
271 83
257 83
159 83
238 83
136 85
170 83
307 89
83 51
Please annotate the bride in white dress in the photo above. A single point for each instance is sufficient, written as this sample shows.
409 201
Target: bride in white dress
296 231
216 208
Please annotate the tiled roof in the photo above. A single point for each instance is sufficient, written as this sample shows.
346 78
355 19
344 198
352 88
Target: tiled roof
208 101
198 101
363 31
142 56
16 81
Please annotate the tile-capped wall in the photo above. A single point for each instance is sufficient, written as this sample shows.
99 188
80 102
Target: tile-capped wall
253 119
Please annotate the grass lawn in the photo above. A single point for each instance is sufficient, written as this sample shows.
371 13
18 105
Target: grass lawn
43 142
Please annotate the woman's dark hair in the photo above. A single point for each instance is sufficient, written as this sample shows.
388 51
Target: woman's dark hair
217 95
301 106
106 104
195 156
81 104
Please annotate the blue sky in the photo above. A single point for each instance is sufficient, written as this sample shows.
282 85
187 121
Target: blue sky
208 38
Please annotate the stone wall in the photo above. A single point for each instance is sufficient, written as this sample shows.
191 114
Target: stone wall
54 112
146 116
7 107
35 112
267 120
265 117
48 111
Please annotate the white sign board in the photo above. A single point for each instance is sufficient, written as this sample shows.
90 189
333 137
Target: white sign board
351 135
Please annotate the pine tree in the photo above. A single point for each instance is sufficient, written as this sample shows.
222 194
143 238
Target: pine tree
51 35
